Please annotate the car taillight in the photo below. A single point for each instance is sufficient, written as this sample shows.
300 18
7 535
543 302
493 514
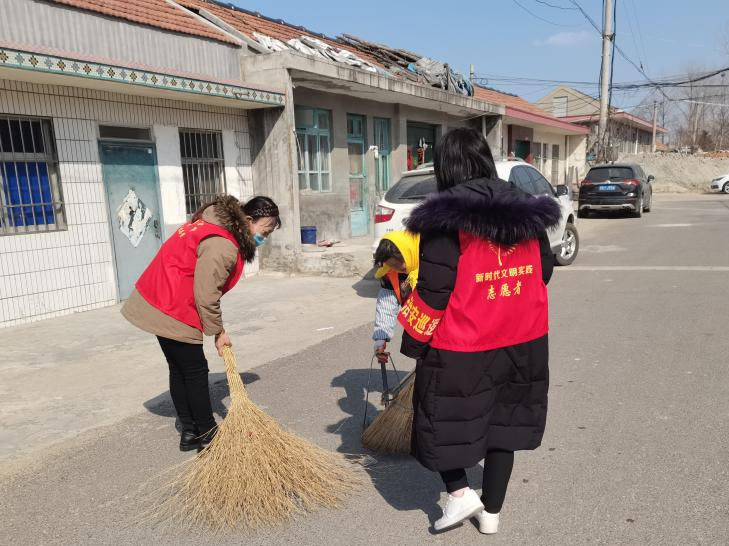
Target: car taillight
585 182
383 214
631 182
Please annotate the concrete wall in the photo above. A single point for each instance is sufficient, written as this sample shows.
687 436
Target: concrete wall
39 23
577 104
552 139
48 274
576 162
330 211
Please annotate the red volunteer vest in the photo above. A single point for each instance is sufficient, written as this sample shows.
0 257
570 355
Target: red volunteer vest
167 283
499 300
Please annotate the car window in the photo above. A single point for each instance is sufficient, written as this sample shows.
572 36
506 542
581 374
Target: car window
600 174
521 179
411 189
541 185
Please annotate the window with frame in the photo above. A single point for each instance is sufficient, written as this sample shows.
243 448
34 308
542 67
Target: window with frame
203 167
313 142
30 188
382 160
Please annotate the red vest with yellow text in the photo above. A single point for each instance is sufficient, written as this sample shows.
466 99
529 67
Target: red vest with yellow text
499 300
167 283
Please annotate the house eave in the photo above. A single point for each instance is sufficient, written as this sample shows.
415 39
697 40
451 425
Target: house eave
52 66
544 122
308 72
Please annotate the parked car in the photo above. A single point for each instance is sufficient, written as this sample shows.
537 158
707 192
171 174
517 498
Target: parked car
721 183
414 186
615 187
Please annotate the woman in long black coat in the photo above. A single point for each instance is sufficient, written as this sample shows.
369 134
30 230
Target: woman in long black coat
477 325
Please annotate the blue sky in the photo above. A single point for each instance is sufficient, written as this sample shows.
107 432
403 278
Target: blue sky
502 39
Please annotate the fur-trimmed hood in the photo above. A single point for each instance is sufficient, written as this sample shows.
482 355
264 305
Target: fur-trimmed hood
488 209
229 215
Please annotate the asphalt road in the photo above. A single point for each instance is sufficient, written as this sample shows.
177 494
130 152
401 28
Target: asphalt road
637 444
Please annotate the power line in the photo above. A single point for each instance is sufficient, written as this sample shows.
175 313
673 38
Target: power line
554 6
539 17
637 26
632 31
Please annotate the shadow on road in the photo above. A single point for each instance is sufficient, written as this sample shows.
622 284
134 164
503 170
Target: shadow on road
367 288
399 479
162 403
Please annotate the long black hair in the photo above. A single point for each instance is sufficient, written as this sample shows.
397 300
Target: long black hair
262 207
462 155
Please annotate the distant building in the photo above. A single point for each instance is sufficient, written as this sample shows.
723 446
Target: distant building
629 134
554 146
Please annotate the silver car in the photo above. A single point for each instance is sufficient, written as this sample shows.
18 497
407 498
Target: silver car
720 184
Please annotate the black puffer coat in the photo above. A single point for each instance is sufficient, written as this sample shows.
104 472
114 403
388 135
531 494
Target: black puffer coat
469 402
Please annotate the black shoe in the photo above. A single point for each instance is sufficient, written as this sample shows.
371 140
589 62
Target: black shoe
189 441
206 438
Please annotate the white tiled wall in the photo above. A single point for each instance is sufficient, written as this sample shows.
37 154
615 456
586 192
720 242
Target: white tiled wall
43 275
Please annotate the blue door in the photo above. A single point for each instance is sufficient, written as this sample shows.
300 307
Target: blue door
358 201
382 160
130 180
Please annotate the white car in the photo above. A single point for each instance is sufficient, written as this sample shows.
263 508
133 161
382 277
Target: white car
414 186
721 183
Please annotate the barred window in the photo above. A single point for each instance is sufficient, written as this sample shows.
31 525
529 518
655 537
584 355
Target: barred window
203 167
30 188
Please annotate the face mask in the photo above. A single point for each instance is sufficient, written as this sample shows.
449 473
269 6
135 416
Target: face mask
259 239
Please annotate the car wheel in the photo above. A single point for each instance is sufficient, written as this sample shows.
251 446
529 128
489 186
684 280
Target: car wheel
639 209
582 213
570 246
647 208
725 188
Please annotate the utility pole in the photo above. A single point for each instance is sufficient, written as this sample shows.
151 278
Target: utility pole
655 122
472 75
605 79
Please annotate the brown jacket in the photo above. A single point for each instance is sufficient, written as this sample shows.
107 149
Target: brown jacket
216 258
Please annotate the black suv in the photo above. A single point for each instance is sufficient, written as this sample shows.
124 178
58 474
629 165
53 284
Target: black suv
619 186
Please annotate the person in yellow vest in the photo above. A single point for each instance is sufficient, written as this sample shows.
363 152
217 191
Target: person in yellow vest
397 258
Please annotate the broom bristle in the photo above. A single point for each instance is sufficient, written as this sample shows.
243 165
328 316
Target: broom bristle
391 430
254 472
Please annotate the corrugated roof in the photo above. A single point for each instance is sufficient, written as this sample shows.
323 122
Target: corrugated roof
153 13
248 23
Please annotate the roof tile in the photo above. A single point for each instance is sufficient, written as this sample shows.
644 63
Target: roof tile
153 13
512 101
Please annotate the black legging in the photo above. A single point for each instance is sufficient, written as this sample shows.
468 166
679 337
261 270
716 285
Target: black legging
189 384
496 474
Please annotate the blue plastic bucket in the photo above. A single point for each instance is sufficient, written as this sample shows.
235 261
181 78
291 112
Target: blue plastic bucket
308 235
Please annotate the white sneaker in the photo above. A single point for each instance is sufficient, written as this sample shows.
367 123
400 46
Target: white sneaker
488 524
458 509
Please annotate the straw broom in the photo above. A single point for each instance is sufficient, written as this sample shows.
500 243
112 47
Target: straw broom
391 430
253 472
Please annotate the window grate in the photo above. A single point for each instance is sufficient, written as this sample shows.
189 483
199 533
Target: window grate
203 167
30 190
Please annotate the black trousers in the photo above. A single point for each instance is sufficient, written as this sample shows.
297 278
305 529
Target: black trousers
496 473
189 384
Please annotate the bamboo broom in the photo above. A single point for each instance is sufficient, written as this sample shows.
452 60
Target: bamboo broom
391 430
253 472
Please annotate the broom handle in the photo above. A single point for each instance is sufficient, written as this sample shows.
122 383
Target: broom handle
235 383
383 372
